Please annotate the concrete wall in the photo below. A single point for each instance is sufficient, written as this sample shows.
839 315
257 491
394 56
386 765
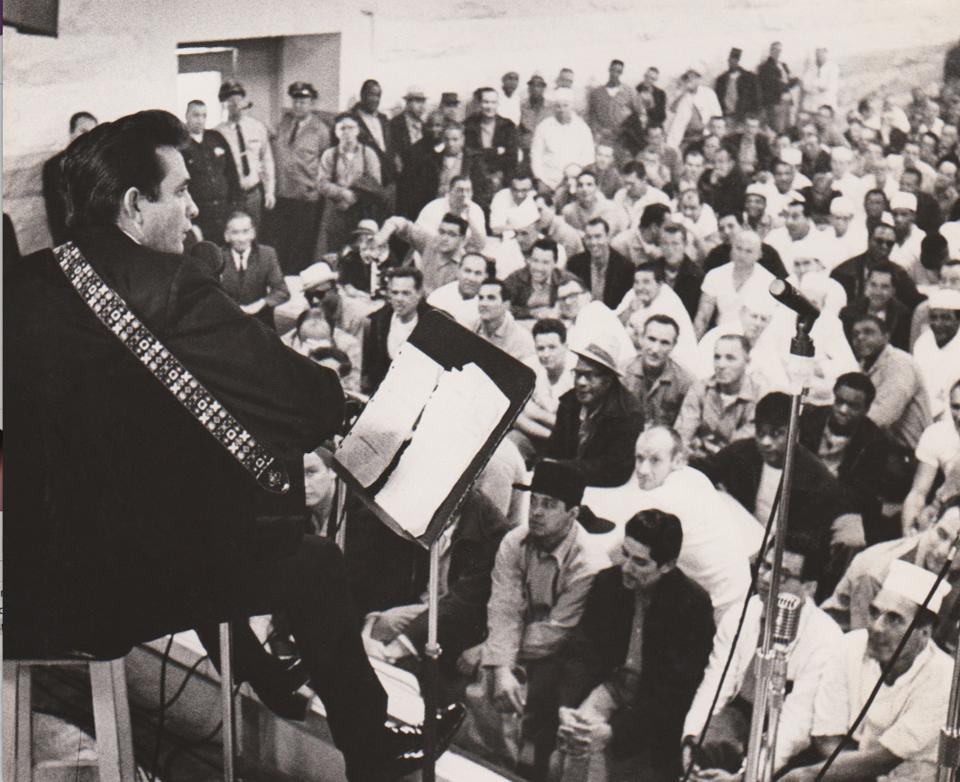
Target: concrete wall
117 56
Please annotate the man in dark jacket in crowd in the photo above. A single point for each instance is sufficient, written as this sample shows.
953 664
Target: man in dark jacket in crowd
129 515
737 89
636 658
598 420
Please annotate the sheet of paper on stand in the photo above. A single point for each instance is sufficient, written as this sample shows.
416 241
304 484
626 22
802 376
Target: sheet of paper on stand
388 419
460 415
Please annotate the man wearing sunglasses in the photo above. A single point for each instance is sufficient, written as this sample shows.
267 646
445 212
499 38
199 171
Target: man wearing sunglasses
852 273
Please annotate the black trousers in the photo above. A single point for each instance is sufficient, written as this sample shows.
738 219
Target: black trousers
310 587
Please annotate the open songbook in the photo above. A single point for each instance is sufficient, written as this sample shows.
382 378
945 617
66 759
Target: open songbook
432 424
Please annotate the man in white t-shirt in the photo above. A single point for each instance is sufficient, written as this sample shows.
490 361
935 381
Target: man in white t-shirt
458 201
898 739
906 251
937 350
459 298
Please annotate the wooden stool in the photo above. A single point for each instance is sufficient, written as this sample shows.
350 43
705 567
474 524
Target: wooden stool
111 718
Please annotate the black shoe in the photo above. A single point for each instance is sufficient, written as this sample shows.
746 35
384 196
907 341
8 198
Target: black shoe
405 743
280 693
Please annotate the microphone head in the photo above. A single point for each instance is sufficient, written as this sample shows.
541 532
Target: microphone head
786 620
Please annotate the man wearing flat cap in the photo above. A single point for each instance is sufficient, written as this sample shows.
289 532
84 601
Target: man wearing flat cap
300 139
406 129
598 420
898 739
737 89
541 577
250 144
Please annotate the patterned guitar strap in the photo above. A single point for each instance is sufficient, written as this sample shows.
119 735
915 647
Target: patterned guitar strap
114 313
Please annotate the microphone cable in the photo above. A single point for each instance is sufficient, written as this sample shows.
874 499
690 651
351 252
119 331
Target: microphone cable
751 591
885 671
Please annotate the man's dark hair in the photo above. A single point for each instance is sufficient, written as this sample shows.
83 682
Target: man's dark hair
656 266
866 316
481 90
550 326
547 198
735 215
547 244
460 178
522 173
654 214
461 224
368 84
102 165
773 410
345 115
634 167
587 172
675 229
934 251
195 102
617 62
453 125
406 272
741 340
884 267
857 381
665 320
600 221
883 225
659 531
694 149
321 354
912 171
504 291
75 119
803 204
876 191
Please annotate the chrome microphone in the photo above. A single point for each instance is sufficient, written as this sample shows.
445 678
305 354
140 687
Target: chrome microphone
786 620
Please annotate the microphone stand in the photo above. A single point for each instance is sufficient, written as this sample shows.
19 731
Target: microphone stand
948 759
763 724
432 663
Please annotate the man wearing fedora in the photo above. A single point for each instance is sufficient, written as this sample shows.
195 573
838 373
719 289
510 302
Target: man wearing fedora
406 129
541 577
300 139
250 144
598 420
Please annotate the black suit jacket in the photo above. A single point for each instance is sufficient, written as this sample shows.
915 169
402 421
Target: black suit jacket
123 513
851 274
262 278
769 259
606 458
400 136
618 281
863 471
677 638
388 172
771 82
897 317
495 161
53 199
376 360
817 499
419 181
748 92
657 114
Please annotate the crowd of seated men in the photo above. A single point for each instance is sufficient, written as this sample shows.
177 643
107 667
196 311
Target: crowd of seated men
593 578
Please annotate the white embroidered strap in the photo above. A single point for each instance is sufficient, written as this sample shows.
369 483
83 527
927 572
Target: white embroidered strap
114 313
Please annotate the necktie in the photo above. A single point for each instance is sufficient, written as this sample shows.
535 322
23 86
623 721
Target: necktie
293 133
244 165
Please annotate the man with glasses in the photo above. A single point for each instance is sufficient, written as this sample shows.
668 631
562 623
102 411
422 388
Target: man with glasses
852 273
440 251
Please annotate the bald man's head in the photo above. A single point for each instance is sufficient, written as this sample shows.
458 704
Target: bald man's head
659 452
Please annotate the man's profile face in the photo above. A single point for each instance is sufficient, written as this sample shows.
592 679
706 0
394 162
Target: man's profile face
550 350
196 119
473 270
936 542
403 296
656 344
166 220
890 615
239 234
656 458
849 408
640 571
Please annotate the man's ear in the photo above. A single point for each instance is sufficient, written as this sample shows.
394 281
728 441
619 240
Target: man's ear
666 567
130 205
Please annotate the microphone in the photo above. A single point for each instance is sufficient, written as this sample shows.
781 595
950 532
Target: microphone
208 257
790 297
786 620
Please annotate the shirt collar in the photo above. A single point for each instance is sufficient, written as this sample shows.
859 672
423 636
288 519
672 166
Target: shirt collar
562 550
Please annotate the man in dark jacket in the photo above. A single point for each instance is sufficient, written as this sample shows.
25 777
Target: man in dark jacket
737 89
128 516
496 141
53 196
854 449
636 658
852 273
375 127
822 517
775 82
603 271
598 420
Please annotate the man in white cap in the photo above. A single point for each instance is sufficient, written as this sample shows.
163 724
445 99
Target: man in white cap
560 140
755 209
906 251
598 420
937 350
459 298
846 236
898 739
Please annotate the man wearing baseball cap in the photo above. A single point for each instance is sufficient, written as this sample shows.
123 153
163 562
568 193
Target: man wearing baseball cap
250 144
899 736
598 420
300 139
540 582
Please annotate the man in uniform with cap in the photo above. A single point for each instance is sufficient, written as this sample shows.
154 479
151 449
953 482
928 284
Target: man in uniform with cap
214 183
250 144
541 578
300 139
598 420
533 109
898 739
737 89
406 129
